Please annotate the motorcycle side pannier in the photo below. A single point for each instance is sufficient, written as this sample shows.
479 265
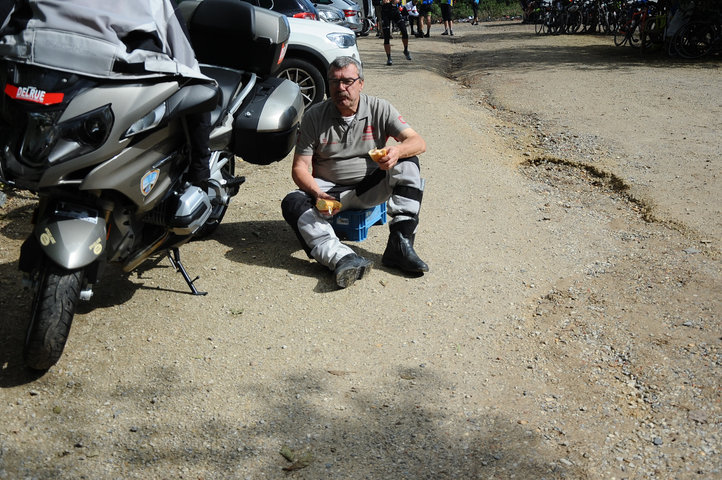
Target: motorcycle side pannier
265 127
236 34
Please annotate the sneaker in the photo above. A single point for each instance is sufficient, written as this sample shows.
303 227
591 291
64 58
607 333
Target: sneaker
389 62
446 32
451 33
407 55
427 35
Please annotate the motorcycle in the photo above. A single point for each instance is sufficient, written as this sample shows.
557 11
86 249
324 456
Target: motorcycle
108 159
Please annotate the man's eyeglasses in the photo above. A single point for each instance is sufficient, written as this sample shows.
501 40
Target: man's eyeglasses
346 82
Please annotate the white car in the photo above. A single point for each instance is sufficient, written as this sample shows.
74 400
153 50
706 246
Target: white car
312 46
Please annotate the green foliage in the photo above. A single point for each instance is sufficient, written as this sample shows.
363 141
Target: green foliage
498 8
488 9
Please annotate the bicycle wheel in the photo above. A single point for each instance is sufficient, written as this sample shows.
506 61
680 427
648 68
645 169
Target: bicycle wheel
695 40
635 35
604 22
615 18
574 22
564 23
620 35
645 36
540 26
652 34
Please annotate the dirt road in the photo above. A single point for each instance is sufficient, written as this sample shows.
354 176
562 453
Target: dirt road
569 327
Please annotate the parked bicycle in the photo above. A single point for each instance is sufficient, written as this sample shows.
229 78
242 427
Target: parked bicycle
688 29
699 37
629 31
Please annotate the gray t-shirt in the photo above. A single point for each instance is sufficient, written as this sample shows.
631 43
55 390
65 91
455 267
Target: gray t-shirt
340 150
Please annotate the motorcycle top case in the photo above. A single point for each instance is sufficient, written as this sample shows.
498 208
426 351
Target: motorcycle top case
236 34
265 127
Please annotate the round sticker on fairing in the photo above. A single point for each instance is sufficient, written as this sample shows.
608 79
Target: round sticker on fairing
148 181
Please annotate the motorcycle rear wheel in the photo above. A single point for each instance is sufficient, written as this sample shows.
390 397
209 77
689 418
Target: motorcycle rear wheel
52 314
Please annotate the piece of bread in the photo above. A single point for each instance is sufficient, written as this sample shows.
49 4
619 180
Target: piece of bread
377 154
327 206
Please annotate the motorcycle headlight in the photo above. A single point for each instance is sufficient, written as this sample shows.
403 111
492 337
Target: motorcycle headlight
48 141
41 135
343 40
82 134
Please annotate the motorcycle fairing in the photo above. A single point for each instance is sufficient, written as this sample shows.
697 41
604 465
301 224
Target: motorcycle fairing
129 160
72 236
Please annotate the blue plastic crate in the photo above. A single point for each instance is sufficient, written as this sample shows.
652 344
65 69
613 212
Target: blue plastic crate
354 224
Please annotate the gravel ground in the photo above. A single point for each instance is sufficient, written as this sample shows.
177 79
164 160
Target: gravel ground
569 327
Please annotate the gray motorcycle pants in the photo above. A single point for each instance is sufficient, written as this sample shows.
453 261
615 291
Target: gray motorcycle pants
402 187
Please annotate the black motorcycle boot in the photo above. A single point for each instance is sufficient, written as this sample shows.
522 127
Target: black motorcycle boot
400 254
199 130
350 268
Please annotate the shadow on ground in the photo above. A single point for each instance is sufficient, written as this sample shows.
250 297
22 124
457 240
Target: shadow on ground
404 433
272 244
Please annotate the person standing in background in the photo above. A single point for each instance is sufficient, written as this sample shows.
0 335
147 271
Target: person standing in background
377 12
391 15
475 7
446 16
425 15
413 18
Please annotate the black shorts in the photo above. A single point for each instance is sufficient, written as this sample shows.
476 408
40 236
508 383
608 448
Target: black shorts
386 28
424 9
446 12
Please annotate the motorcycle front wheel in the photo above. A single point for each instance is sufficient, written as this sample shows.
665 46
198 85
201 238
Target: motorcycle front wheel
52 314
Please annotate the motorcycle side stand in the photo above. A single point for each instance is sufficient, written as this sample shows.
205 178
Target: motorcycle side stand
174 257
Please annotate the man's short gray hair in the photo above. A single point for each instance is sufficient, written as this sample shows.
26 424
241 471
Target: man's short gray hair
343 62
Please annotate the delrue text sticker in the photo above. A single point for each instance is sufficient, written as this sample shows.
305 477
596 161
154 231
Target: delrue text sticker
32 94
148 181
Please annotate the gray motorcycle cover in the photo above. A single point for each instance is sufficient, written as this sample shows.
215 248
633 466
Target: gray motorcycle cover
102 38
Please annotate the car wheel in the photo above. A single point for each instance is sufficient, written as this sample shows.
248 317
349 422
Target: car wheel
308 77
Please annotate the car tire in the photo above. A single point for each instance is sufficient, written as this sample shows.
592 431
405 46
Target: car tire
307 76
